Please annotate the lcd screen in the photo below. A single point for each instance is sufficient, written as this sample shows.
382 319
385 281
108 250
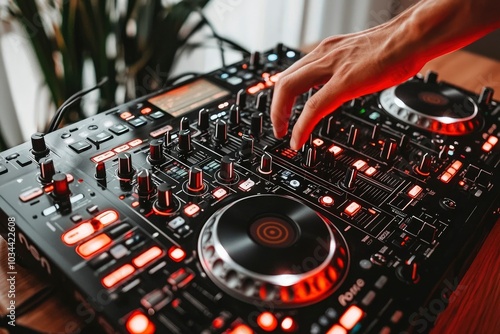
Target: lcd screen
183 99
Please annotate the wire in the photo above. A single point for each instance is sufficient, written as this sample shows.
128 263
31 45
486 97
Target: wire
56 120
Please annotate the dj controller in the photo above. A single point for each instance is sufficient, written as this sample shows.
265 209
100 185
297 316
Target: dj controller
180 212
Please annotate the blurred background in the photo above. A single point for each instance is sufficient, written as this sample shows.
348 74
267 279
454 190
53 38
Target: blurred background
50 49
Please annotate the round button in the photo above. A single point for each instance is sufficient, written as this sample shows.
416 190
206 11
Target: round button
92 127
448 204
294 183
326 200
378 259
65 135
365 264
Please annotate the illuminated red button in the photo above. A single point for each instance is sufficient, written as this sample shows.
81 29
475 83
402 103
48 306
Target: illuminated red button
135 142
122 148
118 275
457 165
318 142
487 147
135 204
146 111
104 156
177 254
30 194
241 329
107 217
492 140
336 329
352 209
219 193
351 317
335 150
161 131
446 177
267 321
191 209
78 233
288 324
359 164
93 245
126 115
415 191
452 171
138 323
147 257
257 88
326 200
370 171
246 185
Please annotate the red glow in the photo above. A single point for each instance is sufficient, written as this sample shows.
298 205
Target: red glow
126 115
414 191
336 329
191 209
93 245
267 321
135 142
118 275
146 111
352 209
138 323
107 217
78 233
256 88
288 324
177 254
147 257
241 329
351 317
135 204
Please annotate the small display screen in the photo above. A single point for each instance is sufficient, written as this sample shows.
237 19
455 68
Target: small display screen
189 97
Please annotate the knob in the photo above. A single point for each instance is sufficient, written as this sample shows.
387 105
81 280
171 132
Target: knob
184 144
389 150
220 132
184 124
47 170
256 125
329 126
375 132
486 96
156 152
234 115
403 142
61 186
226 172
350 178
424 166
261 102
266 164
38 146
255 62
311 157
246 147
408 271
352 139
125 169
165 199
100 170
203 120
241 98
195 179
145 185
430 77
279 50
443 152
167 138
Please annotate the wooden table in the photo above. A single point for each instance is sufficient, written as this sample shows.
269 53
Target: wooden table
476 304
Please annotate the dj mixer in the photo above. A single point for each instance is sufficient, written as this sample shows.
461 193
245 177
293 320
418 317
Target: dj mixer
180 212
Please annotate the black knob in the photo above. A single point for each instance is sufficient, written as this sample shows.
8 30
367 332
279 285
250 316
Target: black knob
100 170
375 132
38 146
350 178
246 147
255 62
408 271
125 169
47 170
184 124
156 152
424 166
145 185
430 77
257 123
234 115
353 136
261 102
329 126
226 172
266 164
443 152
279 50
165 199
389 149
403 142
61 186
310 158
167 138
486 96
203 120
220 132
195 179
241 99
184 144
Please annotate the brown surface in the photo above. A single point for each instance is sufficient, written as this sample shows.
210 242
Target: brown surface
474 307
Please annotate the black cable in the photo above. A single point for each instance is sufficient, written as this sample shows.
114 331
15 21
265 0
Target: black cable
214 33
54 124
